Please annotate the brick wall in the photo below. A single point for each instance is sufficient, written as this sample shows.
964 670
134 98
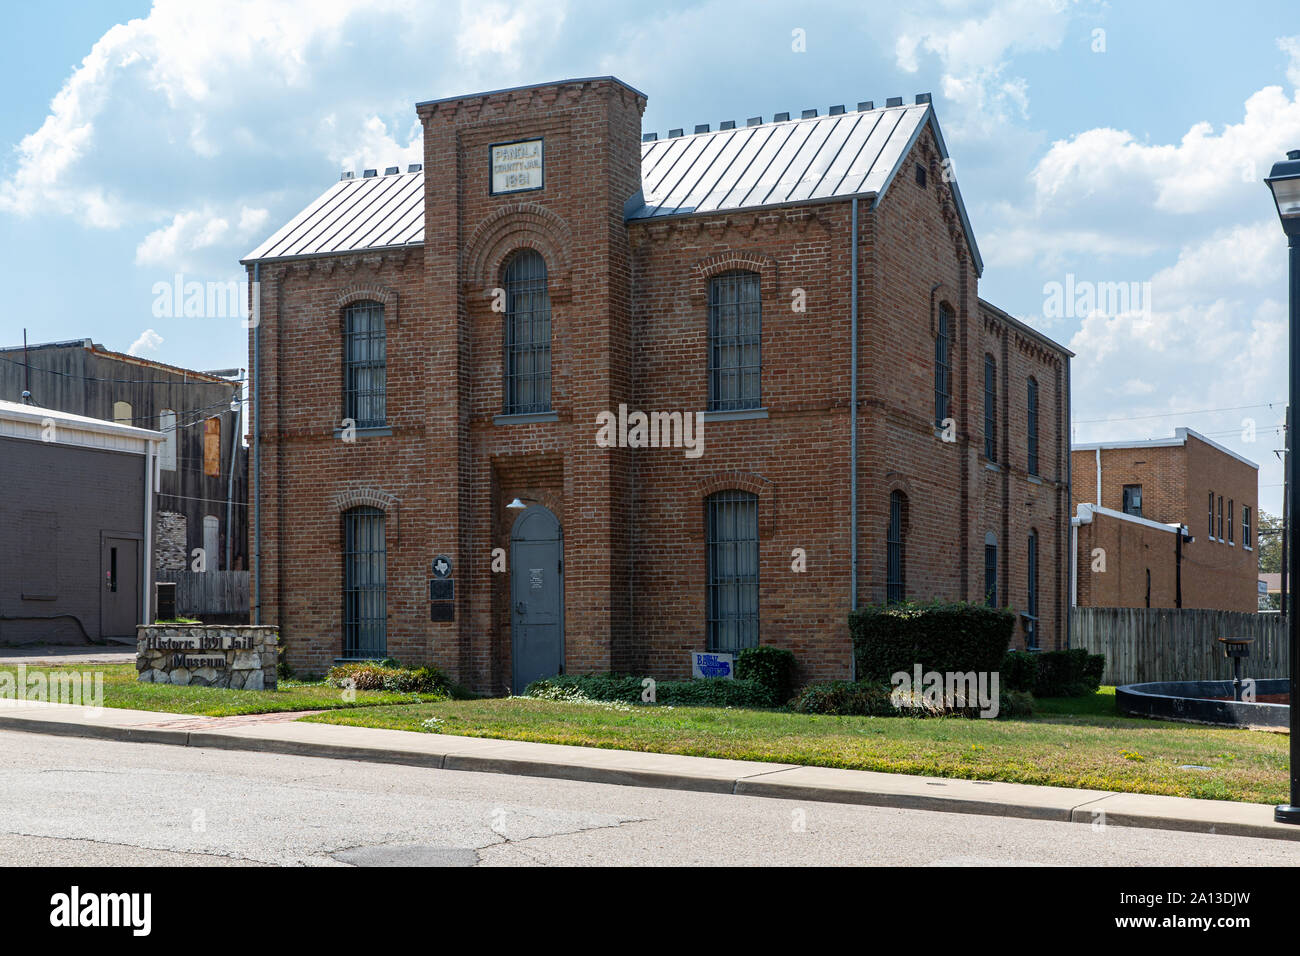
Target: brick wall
629 325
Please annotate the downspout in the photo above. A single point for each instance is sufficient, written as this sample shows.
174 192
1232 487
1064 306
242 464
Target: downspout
1069 497
257 441
853 425
146 605
230 482
1084 517
1098 501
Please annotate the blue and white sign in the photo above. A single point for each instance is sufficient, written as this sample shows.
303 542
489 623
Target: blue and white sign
713 664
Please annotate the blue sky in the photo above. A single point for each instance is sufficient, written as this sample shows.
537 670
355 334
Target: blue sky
145 140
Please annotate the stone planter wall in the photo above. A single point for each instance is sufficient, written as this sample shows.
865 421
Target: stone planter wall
241 657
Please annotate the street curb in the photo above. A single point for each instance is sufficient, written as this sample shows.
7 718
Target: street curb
1060 804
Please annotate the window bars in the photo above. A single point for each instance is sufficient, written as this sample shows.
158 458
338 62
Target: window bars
527 360
1032 426
731 519
735 341
365 359
942 367
990 408
895 567
365 585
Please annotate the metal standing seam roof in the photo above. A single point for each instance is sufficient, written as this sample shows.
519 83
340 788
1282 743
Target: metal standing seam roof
769 164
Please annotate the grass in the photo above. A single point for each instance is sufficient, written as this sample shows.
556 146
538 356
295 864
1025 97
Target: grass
1070 742
121 689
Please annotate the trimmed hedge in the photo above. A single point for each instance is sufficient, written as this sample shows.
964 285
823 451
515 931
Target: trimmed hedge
704 692
773 667
943 636
374 675
1072 673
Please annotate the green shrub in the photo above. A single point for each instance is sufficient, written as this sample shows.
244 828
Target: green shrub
1072 673
940 637
1015 703
371 675
1019 671
844 698
773 667
282 669
705 692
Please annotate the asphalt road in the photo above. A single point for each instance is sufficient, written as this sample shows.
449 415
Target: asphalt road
68 801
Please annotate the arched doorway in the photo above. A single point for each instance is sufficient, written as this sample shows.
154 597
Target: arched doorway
536 597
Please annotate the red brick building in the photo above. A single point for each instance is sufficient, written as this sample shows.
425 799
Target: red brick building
1128 551
438 345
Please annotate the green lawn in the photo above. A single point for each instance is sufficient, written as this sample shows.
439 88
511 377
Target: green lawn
1071 742
121 689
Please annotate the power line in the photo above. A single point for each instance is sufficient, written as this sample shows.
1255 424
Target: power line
121 381
1200 411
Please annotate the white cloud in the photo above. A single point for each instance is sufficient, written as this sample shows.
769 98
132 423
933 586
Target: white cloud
1101 170
1291 47
974 43
148 341
174 246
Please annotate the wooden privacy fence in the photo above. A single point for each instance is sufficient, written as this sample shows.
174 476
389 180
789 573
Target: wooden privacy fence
215 594
1154 644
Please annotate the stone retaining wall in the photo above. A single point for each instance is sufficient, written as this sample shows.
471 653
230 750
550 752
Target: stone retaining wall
241 657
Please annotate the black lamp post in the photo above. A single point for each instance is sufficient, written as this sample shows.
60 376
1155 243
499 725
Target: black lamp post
1284 181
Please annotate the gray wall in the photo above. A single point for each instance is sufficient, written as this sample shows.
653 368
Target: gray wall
54 501
71 378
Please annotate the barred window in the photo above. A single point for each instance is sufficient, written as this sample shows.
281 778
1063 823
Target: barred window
1231 508
990 408
1246 541
1031 577
1211 535
365 584
895 561
364 364
527 359
1133 500
735 341
1220 518
942 366
1032 425
731 522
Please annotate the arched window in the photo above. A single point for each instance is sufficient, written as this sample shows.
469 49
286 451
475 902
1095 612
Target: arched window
527 360
167 425
122 413
895 559
990 408
365 584
1031 421
365 359
735 341
991 569
731 530
943 366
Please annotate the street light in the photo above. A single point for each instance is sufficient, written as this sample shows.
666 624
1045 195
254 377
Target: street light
1284 181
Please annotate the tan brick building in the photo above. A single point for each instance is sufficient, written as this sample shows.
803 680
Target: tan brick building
450 363
1128 550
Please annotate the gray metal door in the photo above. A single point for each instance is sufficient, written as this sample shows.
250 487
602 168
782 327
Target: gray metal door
119 606
536 597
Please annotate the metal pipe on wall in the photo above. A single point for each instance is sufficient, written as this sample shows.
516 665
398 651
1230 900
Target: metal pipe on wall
853 423
257 443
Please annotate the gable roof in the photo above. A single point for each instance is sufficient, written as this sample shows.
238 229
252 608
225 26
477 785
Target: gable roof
818 159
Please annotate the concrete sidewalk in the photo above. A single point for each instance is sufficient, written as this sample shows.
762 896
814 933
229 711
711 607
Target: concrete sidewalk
273 733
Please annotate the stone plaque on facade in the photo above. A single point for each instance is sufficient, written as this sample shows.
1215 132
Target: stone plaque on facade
517 167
